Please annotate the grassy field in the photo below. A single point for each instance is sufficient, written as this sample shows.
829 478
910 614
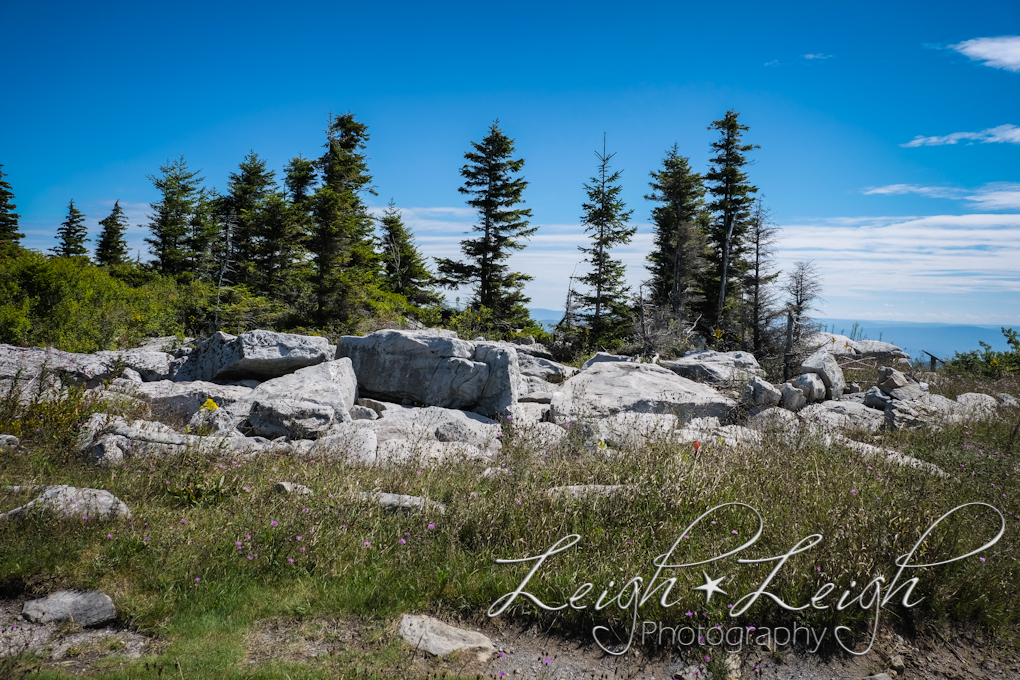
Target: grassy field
212 553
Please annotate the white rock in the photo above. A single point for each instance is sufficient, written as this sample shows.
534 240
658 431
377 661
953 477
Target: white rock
793 398
292 488
88 608
180 401
759 392
348 442
978 404
305 404
438 638
811 386
601 357
831 343
254 354
844 415
824 365
715 367
64 500
614 387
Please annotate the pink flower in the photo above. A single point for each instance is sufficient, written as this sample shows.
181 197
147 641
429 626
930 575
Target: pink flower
109 535
401 541
272 523
367 544
197 579
291 560
432 526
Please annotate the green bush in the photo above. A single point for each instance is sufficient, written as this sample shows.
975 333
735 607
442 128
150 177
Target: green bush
988 363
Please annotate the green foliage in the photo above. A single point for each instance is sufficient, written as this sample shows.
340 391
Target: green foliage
71 234
9 234
731 204
986 362
605 217
404 268
70 304
247 193
676 262
181 228
494 195
112 248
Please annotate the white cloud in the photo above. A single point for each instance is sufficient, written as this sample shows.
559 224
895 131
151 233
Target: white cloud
774 62
992 196
818 56
996 135
1002 52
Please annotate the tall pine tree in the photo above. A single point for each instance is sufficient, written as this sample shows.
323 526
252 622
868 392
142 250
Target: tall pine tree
71 234
345 264
762 308
495 195
112 248
732 199
9 234
605 218
177 217
677 258
281 251
404 268
247 192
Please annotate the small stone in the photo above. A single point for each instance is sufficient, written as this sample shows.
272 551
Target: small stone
83 608
291 488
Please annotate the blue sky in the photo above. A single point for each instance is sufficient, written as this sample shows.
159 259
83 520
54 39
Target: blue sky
890 132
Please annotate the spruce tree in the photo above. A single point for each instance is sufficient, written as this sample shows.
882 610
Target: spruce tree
173 220
605 218
495 195
762 308
112 248
404 268
247 191
282 248
71 234
731 191
8 218
676 261
345 264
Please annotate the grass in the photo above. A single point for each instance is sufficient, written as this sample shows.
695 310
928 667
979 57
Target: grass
212 553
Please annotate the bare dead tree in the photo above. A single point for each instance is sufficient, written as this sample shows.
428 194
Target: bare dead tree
804 287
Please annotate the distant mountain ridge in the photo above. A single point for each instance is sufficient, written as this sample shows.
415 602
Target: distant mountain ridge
941 339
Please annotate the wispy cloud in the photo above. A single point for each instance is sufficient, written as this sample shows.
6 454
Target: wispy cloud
774 62
1009 134
992 196
1002 52
818 56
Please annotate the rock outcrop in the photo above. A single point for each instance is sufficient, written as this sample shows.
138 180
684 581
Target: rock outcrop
305 404
715 367
260 355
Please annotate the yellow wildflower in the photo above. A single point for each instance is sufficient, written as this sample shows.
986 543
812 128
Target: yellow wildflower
209 405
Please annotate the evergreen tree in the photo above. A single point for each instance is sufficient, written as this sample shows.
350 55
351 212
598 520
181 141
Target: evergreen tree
345 264
605 217
404 268
173 223
676 261
300 180
203 233
71 234
8 218
731 190
282 248
495 195
247 191
112 248
761 306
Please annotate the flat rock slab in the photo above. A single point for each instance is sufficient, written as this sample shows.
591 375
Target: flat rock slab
614 387
44 370
306 404
256 354
844 415
182 400
88 608
62 500
715 367
441 639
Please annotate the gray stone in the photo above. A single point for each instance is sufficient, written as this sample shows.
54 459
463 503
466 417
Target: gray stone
546 369
844 415
824 365
375 405
613 387
852 388
977 403
435 637
882 350
792 398
393 502
831 343
911 392
876 398
212 422
529 413
426 452
43 371
879 676
118 439
760 392
148 364
63 500
254 354
537 397
305 404
437 424
1008 399
601 357
88 608
292 488
632 430
363 413
179 401
811 385
890 379
9 441
715 367
427 368
774 418
349 442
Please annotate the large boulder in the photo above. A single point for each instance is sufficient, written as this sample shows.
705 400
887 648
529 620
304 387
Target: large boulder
825 367
832 343
546 369
426 367
169 400
793 398
614 387
602 357
44 370
62 500
88 608
438 424
760 392
255 354
149 364
811 385
882 350
715 367
108 440
847 415
306 403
